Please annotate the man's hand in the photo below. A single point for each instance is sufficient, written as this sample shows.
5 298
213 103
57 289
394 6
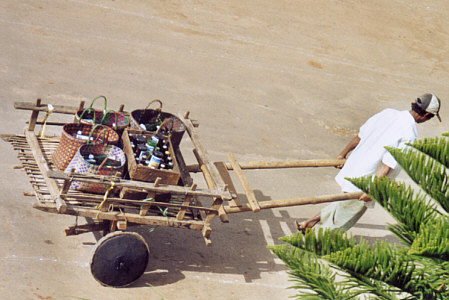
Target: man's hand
365 198
351 146
340 157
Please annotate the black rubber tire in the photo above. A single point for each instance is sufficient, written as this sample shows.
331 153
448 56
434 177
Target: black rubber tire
119 259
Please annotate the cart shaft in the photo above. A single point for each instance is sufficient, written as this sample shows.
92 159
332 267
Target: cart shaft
282 164
294 202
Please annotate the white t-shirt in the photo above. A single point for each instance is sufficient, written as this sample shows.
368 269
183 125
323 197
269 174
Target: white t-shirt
391 128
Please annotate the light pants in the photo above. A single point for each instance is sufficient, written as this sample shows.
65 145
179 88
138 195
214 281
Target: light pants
342 214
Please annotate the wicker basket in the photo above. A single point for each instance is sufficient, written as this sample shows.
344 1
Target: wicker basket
147 115
69 143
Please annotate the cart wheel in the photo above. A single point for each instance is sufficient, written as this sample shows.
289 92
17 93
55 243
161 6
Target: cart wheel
119 259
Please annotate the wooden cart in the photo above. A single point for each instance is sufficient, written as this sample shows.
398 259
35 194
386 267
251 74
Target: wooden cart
121 256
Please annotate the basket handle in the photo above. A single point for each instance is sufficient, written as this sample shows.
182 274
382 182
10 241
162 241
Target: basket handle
164 124
154 101
103 162
102 131
105 103
107 113
87 110
90 108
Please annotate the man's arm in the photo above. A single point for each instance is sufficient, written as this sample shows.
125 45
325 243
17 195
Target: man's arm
349 147
383 170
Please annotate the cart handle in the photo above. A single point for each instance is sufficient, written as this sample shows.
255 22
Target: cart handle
281 164
295 202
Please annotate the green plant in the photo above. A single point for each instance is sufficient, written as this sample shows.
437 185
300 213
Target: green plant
416 269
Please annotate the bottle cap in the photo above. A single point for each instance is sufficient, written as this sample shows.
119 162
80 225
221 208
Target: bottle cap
158 154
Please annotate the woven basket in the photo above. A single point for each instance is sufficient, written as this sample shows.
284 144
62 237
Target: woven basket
69 143
113 119
148 115
82 166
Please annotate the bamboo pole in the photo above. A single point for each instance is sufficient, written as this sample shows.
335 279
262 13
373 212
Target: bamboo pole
281 164
294 202
148 186
44 108
130 217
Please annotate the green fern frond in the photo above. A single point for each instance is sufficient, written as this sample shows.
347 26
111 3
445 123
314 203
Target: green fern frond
418 271
428 173
437 148
436 271
390 194
383 269
320 241
433 240
314 280
402 233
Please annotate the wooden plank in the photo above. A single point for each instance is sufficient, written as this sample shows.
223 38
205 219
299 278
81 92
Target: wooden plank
254 204
210 172
44 107
49 123
202 155
218 201
282 164
84 228
34 116
67 182
122 224
187 180
221 167
206 235
43 167
186 202
294 202
145 207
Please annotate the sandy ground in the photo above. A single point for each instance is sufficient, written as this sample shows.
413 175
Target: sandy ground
268 80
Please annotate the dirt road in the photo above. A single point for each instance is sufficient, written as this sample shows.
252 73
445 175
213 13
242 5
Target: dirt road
267 80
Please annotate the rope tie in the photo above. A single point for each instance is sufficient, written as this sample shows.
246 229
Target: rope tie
163 211
104 198
49 111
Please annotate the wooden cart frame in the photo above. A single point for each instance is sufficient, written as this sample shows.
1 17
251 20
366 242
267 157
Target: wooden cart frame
184 209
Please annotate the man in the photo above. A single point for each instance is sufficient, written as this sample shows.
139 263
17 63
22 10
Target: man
391 128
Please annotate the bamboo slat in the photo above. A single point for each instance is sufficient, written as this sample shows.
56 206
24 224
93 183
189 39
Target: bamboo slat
42 163
253 203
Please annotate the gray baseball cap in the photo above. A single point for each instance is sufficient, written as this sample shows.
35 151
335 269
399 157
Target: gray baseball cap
430 103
